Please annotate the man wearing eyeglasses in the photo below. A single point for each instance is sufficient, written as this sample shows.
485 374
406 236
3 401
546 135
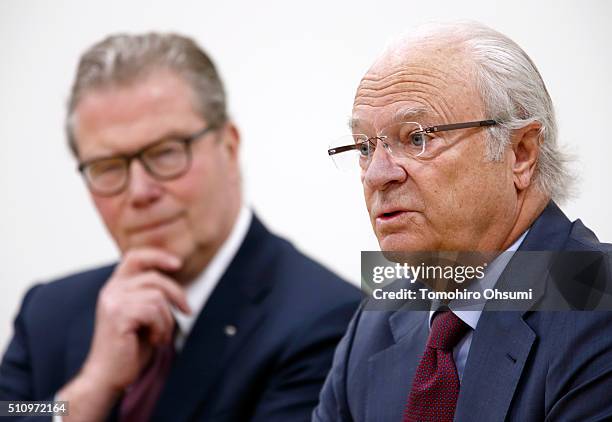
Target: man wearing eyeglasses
454 135
207 316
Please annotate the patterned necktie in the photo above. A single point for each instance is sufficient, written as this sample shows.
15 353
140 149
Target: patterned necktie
140 398
435 387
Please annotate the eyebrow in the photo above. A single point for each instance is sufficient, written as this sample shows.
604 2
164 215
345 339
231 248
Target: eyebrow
405 114
408 114
172 134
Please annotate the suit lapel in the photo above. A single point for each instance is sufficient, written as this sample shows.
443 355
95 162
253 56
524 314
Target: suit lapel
390 372
206 354
229 318
502 340
500 345
499 350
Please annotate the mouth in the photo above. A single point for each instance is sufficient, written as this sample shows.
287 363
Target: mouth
394 219
154 225
391 215
386 216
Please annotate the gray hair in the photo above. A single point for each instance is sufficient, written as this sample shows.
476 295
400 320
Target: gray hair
122 59
513 93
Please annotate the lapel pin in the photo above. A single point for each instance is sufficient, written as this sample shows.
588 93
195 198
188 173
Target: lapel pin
230 330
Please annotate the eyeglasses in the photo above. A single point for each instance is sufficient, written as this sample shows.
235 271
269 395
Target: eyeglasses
164 160
401 140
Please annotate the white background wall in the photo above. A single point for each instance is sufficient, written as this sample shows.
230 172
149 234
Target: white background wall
291 69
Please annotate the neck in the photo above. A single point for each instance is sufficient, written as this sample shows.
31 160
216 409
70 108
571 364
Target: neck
197 263
529 207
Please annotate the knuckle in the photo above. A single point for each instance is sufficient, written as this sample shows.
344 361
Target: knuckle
150 311
129 256
109 304
156 297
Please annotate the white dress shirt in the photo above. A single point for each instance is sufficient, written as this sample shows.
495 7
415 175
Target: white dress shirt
201 288
470 312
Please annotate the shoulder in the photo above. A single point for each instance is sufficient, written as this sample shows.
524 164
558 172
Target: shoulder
299 276
49 314
554 231
292 276
64 295
582 238
308 307
574 347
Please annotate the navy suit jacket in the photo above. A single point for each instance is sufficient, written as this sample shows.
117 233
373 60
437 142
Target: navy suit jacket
522 365
289 313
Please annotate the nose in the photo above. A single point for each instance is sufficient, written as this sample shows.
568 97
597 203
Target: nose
383 169
143 188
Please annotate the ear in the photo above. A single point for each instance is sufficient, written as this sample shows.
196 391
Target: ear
526 151
231 140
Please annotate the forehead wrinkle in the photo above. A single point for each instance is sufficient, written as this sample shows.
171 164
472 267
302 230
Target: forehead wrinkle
442 109
427 114
404 95
405 90
422 114
424 84
413 74
398 84
403 86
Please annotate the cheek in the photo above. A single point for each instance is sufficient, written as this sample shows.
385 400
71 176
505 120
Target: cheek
449 190
367 196
110 212
193 194
467 194
108 208
199 192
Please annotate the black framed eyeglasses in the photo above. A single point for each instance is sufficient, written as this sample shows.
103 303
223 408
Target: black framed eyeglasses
401 140
164 160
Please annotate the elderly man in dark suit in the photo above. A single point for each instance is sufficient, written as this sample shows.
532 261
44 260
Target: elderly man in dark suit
454 133
207 316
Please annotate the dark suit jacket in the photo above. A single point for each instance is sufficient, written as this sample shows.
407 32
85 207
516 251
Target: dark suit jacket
522 365
289 312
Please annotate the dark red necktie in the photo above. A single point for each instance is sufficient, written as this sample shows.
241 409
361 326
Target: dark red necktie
435 387
141 397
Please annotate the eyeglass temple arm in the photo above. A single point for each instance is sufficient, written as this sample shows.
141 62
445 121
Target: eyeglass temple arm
454 126
431 129
338 150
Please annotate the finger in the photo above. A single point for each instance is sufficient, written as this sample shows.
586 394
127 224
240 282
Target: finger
142 259
136 310
163 310
171 290
147 318
169 318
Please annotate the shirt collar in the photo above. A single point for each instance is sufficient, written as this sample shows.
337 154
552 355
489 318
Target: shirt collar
202 287
470 313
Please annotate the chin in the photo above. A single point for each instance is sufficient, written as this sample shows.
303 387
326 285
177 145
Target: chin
404 242
181 248
174 245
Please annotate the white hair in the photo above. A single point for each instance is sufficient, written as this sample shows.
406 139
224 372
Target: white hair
513 93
